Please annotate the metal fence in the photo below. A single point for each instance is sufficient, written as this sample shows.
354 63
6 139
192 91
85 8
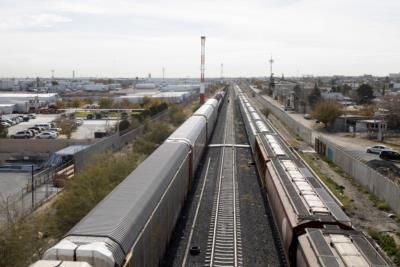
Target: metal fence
379 185
31 197
112 143
38 190
302 131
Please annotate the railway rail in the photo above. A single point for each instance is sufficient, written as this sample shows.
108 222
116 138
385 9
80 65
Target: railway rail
224 240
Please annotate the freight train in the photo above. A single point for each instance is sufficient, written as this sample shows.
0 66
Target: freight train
314 229
133 224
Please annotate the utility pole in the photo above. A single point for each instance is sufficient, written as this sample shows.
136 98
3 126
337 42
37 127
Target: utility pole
271 61
202 68
33 188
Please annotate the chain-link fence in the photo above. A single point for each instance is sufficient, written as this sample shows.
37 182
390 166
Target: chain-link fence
39 188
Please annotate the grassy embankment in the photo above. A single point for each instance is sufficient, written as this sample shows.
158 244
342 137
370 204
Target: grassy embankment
24 240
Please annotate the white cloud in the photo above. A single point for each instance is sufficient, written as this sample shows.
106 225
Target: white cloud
122 37
47 20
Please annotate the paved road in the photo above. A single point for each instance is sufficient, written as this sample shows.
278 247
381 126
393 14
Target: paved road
355 146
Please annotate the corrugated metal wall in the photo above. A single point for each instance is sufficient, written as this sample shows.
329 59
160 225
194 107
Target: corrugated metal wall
379 185
111 143
299 129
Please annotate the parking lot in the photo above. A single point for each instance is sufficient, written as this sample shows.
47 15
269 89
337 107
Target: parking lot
89 127
40 118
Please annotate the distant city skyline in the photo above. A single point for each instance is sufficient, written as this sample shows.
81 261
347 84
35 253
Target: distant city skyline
124 38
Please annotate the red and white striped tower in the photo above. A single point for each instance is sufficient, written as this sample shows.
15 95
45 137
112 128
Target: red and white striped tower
202 67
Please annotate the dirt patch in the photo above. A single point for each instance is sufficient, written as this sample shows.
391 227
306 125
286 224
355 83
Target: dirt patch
386 168
364 213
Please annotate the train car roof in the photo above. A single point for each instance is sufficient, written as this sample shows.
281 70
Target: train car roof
59 263
298 200
262 127
189 130
205 110
120 216
343 248
212 101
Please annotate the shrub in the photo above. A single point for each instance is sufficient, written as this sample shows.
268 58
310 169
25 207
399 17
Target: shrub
176 115
124 125
266 112
327 112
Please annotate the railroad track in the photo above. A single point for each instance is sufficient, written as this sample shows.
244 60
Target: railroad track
224 238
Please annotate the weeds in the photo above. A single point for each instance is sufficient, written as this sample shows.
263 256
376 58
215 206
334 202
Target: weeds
24 240
336 189
387 243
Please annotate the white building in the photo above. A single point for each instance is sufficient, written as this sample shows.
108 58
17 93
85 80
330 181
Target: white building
169 97
95 87
7 108
22 102
181 87
7 84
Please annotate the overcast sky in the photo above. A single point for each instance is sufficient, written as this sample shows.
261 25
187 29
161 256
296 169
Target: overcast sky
118 38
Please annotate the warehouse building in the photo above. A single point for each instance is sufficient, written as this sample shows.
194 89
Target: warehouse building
24 102
169 97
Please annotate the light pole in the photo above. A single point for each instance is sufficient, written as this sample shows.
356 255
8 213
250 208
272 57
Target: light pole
33 188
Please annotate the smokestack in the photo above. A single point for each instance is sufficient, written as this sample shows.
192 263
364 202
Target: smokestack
203 56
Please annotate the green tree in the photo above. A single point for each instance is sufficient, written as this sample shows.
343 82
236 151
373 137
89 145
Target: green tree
296 95
77 102
88 100
106 102
176 115
123 125
60 104
365 93
315 96
345 89
327 112
147 101
125 104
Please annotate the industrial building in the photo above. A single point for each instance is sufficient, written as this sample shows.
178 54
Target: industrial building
24 102
7 85
169 97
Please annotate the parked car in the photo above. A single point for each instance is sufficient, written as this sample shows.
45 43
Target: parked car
389 155
22 135
5 124
79 122
37 129
377 149
44 125
16 120
307 116
55 129
33 132
26 118
46 135
32 116
34 129
11 122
